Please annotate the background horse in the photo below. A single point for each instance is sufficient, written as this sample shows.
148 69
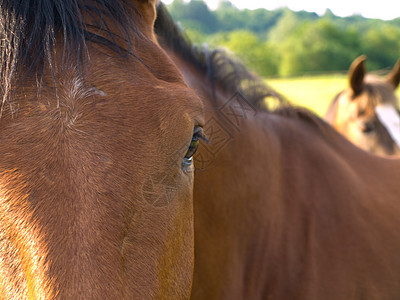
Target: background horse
285 208
366 112
97 133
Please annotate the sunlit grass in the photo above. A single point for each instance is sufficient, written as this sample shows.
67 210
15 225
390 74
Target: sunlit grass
312 92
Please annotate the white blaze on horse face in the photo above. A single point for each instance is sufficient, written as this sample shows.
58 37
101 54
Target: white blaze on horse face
390 118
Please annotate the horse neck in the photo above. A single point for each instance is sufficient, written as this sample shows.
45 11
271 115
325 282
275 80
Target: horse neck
280 200
229 190
277 201
273 188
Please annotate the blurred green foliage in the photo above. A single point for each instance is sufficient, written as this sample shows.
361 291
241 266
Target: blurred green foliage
287 43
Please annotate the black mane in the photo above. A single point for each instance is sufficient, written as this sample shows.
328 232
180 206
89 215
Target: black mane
230 74
221 69
28 31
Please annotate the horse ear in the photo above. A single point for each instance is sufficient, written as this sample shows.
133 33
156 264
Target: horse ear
147 10
394 76
356 74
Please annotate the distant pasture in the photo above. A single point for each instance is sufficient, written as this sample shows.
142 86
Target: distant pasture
312 92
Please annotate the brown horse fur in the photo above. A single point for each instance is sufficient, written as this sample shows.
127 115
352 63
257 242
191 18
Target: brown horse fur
79 147
352 111
286 208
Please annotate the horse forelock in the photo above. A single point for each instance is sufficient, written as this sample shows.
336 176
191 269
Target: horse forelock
29 29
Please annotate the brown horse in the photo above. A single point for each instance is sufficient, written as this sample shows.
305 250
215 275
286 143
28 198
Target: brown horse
97 133
366 112
285 208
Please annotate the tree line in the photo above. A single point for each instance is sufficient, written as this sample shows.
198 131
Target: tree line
287 43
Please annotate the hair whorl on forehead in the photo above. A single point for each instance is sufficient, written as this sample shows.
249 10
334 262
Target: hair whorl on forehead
28 30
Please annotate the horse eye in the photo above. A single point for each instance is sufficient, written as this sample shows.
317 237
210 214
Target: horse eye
197 135
368 127
361 112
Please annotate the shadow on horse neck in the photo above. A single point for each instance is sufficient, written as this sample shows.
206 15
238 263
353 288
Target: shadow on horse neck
367 111
284 207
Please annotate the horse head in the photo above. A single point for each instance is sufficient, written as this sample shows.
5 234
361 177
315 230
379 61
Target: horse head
366 112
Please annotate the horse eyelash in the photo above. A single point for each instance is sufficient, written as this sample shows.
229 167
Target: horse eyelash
200 134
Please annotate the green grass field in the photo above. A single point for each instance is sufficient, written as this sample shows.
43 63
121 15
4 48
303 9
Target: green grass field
312 92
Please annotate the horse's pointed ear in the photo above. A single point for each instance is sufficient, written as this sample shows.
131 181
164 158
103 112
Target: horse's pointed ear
147 10
394 76
356 74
